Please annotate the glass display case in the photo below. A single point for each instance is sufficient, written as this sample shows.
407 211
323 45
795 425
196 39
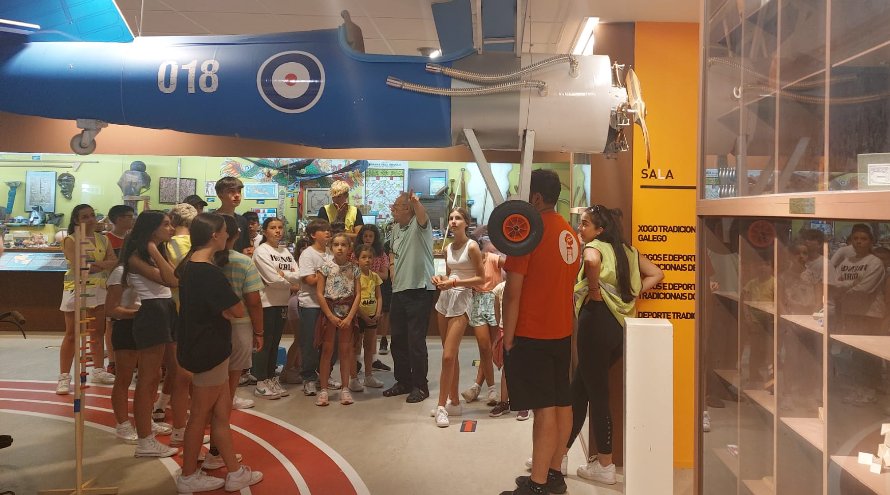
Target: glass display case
794 242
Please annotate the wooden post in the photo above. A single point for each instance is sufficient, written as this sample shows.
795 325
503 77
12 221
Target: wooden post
81 276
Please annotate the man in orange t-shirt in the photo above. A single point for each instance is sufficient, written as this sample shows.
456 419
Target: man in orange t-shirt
538 319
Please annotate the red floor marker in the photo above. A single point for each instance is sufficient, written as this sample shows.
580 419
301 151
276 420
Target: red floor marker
468 425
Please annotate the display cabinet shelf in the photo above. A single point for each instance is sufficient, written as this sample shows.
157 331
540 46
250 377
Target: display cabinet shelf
730 461
729 376
765 306
804 321
876 345
810 429
763 399
877 483
727 294
759 487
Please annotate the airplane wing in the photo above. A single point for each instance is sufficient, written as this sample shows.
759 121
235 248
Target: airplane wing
64 20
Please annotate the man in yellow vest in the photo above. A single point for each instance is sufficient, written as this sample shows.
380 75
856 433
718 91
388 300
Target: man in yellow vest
341 211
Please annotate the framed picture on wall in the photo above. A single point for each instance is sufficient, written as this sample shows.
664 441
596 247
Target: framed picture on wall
261 190
210 188
315 198
167 190
40 190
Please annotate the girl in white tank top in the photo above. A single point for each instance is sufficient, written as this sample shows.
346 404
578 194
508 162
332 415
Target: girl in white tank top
463 261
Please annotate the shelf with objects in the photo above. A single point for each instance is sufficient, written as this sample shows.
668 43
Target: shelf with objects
794 238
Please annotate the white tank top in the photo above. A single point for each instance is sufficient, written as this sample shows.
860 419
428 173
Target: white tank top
459 262
147 289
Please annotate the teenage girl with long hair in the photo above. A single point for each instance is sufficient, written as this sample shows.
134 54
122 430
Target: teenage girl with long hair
464 270
147 271
612 275
369 235
207 304
278 269
102 260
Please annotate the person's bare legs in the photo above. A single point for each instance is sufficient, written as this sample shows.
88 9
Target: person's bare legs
564 430
370 347
486 366
149 363
327 352
213 405
125 361
66 351
178 385
454 331
545 442
347 354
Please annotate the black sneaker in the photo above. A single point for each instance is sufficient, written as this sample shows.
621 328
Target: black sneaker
158 415
524 489
397 389
416 395
500 409
358 365
379 366
554 484
384 346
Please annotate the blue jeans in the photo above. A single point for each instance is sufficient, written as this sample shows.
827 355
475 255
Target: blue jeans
409 317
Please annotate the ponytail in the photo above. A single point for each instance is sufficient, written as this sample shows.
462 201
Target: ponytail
609 221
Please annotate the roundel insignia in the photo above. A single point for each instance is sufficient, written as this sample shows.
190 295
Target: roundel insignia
291 82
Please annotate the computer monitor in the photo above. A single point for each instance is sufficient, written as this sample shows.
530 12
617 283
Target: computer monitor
369 219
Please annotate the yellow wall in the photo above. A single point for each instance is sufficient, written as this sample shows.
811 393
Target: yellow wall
666 61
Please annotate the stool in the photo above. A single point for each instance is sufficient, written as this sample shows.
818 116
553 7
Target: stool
14 318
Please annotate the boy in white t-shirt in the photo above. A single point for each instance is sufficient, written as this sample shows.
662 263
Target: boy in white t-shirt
312 258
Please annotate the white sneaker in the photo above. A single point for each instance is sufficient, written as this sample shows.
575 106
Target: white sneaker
492 396
239 403
212 462
177 437
450 408
563 466
309 388
101 376
126 432
594 471
334 384
64 385
471 393
706 422
373 382
266 390
355 385
246 379
242 478
150 447
322 399
278 388
442 417
161 429
198 482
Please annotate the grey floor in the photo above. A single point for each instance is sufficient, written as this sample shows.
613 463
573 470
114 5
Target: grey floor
393 446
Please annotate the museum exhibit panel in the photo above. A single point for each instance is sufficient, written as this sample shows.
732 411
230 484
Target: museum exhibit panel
794 231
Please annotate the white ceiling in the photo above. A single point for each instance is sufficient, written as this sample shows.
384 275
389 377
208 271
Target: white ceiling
388 26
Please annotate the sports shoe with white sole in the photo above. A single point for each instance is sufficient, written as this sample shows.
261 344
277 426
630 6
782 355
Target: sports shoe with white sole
442 417
471 393
242 478
63 387
706 422
355 385
492 396
198 482
161 429
309 388
322 399
264 389
373 382
595 471
346 398
278 388
563 466
246 379
239 403
450 408
212 462
522 415
101 377
334 384
126 432
150 447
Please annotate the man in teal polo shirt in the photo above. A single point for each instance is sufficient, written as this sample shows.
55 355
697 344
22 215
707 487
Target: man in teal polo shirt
412 297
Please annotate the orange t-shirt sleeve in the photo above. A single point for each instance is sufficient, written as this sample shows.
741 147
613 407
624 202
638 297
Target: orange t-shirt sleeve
517 264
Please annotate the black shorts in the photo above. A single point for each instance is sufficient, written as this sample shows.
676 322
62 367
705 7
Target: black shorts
362 326
122 335
538 373
385 295
155 323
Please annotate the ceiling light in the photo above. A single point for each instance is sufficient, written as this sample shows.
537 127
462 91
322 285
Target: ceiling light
585 40
430 51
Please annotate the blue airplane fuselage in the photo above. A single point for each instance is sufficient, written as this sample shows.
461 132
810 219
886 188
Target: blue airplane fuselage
301 88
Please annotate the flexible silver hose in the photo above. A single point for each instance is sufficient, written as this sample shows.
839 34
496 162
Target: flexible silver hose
476 77
817 100
541 86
